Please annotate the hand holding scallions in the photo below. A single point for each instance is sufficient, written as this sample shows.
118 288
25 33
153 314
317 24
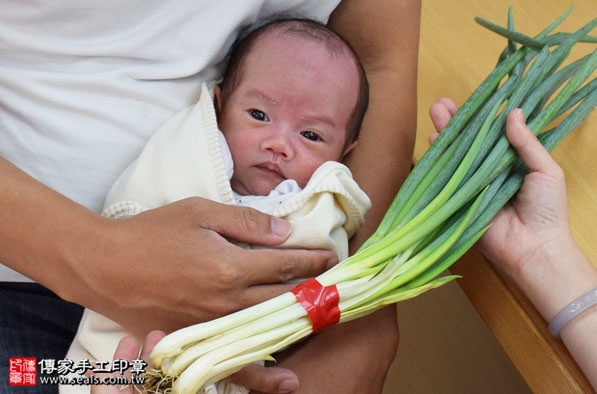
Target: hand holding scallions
530 239
256 377
128 349
538 214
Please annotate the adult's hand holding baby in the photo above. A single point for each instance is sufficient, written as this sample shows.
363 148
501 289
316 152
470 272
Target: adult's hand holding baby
175 265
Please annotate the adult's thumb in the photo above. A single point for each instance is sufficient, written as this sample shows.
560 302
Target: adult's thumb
242 224
526 143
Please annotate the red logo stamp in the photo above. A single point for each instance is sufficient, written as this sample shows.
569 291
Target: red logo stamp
22 371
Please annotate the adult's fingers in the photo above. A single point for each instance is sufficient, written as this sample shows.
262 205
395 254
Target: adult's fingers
150 341
239 223
262 273
128 349
263 266
528 146
266 379
441 112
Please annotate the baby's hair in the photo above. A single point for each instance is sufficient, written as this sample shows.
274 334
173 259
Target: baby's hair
308 29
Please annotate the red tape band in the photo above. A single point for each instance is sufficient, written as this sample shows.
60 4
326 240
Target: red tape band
321 303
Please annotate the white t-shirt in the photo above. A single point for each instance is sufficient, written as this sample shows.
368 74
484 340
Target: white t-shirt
84 83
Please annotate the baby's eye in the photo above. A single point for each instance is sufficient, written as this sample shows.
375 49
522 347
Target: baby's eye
310 135
259 115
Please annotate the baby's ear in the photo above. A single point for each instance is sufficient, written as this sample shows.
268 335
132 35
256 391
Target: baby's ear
218 99
350 147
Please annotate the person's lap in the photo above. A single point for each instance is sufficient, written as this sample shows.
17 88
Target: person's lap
34 322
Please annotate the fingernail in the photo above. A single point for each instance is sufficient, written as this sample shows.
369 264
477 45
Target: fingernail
331 262
288 386
280 227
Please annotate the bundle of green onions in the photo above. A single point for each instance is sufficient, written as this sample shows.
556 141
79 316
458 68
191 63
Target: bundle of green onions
442 209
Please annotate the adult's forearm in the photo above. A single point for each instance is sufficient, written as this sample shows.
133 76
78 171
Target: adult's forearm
351 358
386 40
554 275
579 337
383 160
39 229
552 278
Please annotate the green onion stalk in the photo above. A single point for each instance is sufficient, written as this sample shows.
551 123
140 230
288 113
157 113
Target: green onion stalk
442 209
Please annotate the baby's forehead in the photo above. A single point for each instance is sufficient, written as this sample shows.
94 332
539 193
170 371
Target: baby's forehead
304 46
297 32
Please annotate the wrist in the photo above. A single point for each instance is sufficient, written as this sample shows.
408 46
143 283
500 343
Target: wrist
571 311
555 274
77 254
40 228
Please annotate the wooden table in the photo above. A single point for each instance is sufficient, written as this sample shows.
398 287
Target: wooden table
455 56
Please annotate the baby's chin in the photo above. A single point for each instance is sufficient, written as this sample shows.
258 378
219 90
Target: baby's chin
262 188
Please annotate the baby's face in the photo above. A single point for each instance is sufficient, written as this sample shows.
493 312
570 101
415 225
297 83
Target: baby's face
288 114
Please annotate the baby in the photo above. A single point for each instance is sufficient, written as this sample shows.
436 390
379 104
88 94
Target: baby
269 136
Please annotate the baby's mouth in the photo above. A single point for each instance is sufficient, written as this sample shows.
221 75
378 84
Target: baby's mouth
272 169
